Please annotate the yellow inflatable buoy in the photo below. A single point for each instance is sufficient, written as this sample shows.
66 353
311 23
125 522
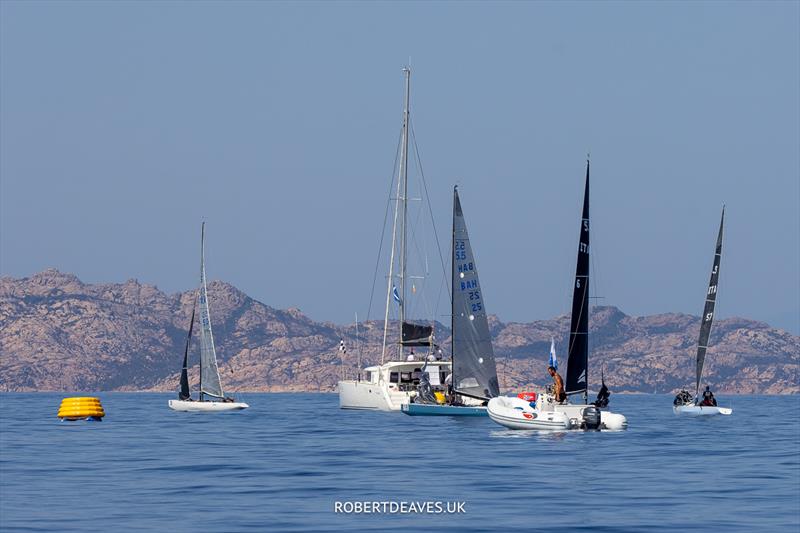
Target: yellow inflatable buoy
80 408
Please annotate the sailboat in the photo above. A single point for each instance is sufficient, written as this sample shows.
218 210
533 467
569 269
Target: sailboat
684 404
386 387
546 412
210 383
474 375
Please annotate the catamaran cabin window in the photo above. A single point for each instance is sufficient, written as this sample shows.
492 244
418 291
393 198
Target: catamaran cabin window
394 377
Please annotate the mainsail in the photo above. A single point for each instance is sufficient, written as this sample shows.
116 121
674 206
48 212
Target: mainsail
209 373
185 393
474 371
708 311
578 357
417 335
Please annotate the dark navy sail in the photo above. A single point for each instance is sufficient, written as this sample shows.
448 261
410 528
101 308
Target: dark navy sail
708 311
578 357
185 394
474 371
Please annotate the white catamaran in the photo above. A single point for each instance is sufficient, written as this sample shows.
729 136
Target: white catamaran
396 381
546 412
474 376
684 404
210 384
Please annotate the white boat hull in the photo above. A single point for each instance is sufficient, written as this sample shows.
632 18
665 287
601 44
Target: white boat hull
515 413
370 396
381 391
701 410
206 407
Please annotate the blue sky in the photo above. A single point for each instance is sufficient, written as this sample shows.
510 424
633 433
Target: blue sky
123 125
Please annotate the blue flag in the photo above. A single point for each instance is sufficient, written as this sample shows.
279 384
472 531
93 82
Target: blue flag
396 296
553 359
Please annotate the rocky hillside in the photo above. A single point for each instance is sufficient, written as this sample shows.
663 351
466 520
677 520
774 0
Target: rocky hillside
57 333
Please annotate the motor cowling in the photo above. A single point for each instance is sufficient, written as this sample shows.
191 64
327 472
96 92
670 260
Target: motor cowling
591 418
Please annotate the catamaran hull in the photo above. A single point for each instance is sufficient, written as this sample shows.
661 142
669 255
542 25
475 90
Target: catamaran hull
420 409
364 395
206 407
701 410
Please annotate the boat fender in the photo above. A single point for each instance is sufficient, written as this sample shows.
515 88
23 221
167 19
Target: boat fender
591 418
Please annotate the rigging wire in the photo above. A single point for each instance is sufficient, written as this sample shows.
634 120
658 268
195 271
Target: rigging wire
383 231
428 198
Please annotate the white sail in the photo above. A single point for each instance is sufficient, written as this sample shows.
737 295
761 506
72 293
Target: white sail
209 372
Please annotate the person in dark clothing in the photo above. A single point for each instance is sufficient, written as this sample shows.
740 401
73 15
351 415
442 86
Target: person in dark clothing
683 398
558 385
708 398
602 396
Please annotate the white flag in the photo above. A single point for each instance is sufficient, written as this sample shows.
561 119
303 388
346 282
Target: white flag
553 359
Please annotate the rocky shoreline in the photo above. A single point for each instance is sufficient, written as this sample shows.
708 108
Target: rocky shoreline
58 333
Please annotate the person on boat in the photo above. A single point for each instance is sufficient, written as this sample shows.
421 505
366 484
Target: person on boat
682 398
708 398
558 385
602 397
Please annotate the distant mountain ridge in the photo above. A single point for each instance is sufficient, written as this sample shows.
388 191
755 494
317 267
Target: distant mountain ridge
58 333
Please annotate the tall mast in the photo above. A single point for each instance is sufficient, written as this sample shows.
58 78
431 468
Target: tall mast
404 179
588 303
202 276
402 190
453 293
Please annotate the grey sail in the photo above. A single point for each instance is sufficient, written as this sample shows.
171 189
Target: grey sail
708 311
209 373
474 371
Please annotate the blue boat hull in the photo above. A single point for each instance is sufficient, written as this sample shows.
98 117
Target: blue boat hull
421 409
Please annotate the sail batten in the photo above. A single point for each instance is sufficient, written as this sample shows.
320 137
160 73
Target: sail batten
474 368
209 372
708 310
578 355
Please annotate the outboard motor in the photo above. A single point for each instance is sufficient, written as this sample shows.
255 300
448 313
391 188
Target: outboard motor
591 418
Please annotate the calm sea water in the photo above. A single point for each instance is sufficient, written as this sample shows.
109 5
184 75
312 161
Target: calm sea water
282 464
